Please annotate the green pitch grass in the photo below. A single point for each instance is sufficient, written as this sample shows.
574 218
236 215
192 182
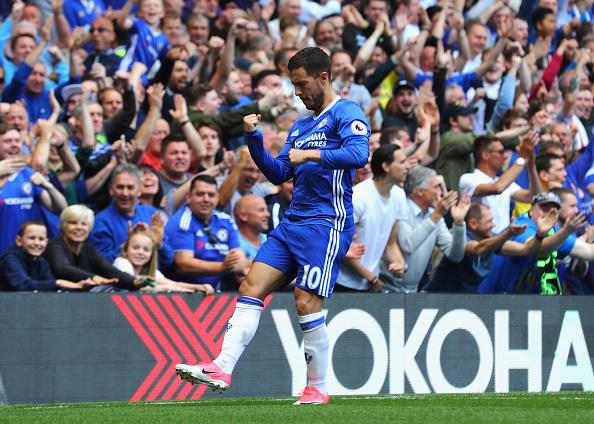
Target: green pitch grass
525 408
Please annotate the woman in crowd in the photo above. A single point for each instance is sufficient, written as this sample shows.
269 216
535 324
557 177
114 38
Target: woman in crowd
72 257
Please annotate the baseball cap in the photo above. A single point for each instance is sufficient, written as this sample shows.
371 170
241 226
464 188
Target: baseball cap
402 85
545 197
453 110
71 90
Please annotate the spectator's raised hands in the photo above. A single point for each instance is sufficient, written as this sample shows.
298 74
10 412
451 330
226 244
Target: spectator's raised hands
401 18
11 166
57 5
545 223
460 209
46 29
180 113
574 223
17 10
157 229
516 230
155 95
527 145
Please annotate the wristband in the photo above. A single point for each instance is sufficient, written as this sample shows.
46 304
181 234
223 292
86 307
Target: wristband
539 237
187 121
374 281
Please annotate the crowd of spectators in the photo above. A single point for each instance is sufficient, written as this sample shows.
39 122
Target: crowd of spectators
123 164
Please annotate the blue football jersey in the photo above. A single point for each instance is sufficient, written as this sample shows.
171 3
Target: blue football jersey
186 233
323 191
19 203
146 45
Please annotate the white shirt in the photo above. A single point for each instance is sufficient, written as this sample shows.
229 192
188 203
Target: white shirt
498 203
374 216
125 265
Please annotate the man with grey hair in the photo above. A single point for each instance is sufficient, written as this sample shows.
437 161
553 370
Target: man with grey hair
113 223
424 228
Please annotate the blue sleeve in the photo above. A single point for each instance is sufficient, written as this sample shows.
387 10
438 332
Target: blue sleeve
504 102
165 253
277 170
70 13
576 171
234 237
353 131
102 237
14 272
567 246
14 91
178 238
5 32
466 81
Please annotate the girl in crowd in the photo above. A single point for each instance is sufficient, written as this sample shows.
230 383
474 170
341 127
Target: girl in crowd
140 258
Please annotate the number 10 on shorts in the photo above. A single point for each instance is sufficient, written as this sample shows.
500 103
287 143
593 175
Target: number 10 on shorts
311 277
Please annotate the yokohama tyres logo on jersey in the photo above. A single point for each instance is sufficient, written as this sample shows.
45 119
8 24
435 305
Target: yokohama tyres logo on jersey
174 333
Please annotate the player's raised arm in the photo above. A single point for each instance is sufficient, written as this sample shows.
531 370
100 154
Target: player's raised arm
277 170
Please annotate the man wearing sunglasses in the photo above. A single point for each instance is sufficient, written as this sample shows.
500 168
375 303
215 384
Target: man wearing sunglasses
484 184
102 39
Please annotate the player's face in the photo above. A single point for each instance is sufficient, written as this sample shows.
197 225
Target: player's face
139 251
34 240
203 199
125 190
309 89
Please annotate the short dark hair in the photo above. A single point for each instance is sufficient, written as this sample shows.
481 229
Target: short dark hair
561 192
534 107
197 92
384 154
389 135
543 161
16 37
539 14
208 179
481 144
26 224
173 138
547 146
313 59
261 75
475 212
4 128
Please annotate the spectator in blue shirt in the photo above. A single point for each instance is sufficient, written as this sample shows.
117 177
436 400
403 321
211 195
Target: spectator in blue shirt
113 224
